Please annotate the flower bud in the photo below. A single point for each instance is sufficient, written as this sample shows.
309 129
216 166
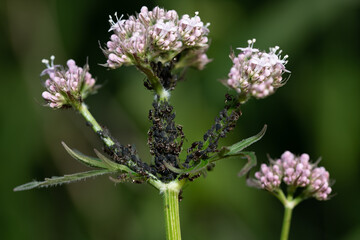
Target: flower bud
295 171
319 185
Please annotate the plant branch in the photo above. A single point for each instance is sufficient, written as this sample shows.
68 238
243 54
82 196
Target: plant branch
95 125
155 83
289 204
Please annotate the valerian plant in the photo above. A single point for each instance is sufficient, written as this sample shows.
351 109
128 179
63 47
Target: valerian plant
298 178
162 45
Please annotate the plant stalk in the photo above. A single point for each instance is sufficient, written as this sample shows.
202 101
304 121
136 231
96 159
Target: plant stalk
286 223
289 204
155 83
171 208
94 124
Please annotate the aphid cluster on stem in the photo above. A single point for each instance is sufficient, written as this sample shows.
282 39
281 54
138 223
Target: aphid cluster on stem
124 154
165 139
163 72
224 123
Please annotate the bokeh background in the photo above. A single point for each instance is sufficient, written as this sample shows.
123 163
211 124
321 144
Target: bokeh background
316 112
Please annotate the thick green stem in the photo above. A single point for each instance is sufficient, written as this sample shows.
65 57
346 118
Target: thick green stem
94 124
171 208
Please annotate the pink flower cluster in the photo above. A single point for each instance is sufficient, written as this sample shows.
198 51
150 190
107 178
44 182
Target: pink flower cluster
295 171
65 86
320 183
156 35
256 73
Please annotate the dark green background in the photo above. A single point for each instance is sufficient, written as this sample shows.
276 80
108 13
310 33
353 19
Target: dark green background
316 112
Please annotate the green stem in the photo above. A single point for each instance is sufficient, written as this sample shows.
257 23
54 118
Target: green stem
171 208
82 108
155 83
94 124
289 204
286 223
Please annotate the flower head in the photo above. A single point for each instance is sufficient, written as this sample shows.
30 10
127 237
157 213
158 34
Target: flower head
269 176
256 73
295 171
66 86
164 36
155 36
193 32
319 184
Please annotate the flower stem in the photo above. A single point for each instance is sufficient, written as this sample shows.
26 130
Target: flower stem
94 124
171 208
289 204
286 223
155 82
82 108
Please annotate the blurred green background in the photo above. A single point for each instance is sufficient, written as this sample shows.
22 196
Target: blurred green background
316 112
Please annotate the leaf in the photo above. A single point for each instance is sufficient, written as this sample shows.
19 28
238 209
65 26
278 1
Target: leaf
53 181
197 168
223 151
88 161
251 157
236 148
113 165
174 169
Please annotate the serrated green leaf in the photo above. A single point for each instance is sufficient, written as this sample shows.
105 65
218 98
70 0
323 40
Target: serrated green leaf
113 165
251 157
236 148
53 181
88 161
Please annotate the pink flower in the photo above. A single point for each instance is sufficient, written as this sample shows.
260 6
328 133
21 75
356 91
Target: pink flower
295 171
319 185
66 86
165 36
256 73
156 36
269 176
193 32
